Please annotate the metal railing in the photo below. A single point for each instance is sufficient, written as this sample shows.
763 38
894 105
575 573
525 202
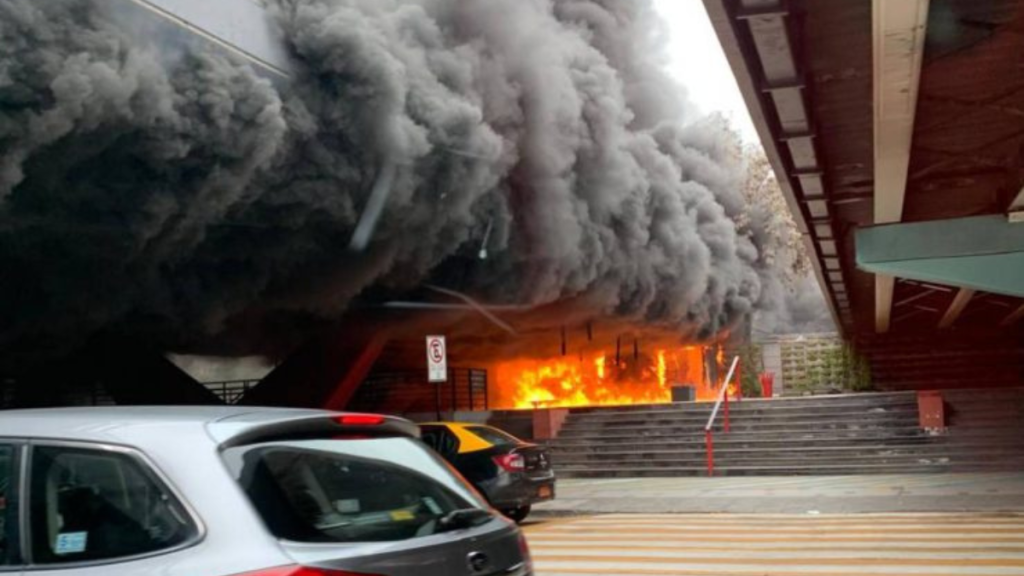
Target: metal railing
723 398
408 392
231 391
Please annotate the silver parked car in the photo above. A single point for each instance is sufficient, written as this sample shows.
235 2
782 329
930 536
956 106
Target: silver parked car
218 491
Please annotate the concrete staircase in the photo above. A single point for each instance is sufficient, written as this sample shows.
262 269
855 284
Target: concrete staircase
844 434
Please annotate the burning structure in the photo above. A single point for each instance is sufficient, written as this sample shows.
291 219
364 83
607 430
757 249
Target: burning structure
600 380
532 154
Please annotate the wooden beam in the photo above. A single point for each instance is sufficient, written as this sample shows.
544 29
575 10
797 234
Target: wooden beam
1013 318
960 302
884 287
914 298
898 30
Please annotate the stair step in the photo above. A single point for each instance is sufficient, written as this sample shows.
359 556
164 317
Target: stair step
732 457
742 420
781 430
799 404
801 450
846 434
753 436
977 466
909 414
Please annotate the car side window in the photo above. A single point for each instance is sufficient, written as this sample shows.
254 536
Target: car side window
494 436
8 511
441 440
89 505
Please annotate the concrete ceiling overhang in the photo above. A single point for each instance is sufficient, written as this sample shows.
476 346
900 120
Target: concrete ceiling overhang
916 113
758 39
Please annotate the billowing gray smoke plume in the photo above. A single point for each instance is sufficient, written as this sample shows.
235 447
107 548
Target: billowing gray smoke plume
182 197
800 309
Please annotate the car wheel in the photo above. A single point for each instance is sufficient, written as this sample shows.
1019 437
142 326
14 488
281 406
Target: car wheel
517 514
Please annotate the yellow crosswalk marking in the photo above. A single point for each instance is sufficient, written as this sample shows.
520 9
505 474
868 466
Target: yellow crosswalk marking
780 545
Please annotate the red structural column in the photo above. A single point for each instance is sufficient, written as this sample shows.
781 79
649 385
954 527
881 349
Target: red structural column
326 370
348 384
931 411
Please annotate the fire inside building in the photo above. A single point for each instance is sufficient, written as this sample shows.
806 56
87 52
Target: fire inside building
589 376
913 224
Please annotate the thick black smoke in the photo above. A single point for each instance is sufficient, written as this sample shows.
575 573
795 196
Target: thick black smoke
185 199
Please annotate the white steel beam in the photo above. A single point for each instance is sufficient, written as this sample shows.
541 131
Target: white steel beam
1013 318
960 302
899 29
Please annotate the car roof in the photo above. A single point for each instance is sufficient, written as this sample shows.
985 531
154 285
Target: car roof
107 423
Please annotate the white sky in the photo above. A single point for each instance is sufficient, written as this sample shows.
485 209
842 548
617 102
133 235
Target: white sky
699 63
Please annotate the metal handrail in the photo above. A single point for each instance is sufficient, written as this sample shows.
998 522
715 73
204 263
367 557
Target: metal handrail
722 394
723 397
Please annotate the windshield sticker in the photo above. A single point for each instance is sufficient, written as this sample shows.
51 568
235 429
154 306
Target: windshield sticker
432 505
402 515
350 506
71 543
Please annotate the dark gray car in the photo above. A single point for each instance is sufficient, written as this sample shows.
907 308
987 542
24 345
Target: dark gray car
222 491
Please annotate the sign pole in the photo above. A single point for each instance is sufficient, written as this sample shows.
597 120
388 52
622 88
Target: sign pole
437 368
437 401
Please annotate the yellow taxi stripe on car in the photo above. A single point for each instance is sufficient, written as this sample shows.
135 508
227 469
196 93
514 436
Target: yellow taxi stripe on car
468 442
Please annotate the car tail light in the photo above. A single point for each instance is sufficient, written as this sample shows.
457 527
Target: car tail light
301 571
360 420
511 462
524 551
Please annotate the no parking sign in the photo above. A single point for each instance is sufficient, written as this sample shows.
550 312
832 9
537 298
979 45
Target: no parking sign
437 359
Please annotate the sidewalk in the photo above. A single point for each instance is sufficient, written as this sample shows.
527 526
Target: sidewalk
988 493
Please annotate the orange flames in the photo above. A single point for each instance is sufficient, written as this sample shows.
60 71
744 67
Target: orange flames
597 381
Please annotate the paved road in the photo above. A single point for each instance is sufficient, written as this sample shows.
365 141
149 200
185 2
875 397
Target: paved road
780 545
990 492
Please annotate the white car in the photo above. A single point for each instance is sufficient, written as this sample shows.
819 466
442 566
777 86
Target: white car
219 491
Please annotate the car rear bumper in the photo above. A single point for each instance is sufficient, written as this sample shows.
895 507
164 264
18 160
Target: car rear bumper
514 490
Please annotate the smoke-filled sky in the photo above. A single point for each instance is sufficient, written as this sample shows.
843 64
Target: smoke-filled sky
696 60
182 198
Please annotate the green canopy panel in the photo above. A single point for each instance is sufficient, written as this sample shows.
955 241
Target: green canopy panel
983 253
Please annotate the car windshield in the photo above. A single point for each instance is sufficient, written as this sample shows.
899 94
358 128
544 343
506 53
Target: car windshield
494 436
368 490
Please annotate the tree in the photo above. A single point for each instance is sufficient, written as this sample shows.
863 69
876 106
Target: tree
751 357
767 214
